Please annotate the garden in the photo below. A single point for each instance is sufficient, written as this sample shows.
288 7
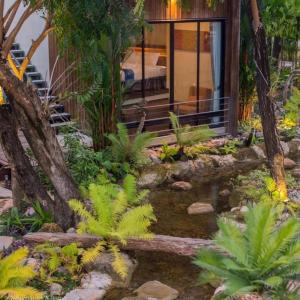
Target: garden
100 213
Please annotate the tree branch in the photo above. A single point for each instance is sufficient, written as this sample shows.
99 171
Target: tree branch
10 15
35 44
12 36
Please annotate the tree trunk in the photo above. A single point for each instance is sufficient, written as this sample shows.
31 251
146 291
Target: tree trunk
277 46
162 243
266 105
24 175
33 119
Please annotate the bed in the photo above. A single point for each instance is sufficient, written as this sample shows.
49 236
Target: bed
155 72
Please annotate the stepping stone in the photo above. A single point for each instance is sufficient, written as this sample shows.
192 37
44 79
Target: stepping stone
181 186
199 208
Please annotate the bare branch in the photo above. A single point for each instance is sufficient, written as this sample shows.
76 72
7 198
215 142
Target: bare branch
35 44
10 15
1 20
11 38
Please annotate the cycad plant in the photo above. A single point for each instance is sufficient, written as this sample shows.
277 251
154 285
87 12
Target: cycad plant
125 149
187 135
115 218
14 276
263 258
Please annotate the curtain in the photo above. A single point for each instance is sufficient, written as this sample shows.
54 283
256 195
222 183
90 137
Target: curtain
216 41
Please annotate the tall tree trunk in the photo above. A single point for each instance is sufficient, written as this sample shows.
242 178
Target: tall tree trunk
33 119
266 105
24 174
276 51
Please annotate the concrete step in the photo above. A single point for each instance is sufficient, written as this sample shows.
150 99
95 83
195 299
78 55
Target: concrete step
59 118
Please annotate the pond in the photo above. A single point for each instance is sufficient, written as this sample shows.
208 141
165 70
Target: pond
171 211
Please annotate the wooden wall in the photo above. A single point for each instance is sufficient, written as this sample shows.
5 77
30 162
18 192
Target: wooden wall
156 10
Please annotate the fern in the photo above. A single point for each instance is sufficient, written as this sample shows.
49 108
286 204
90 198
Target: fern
187 135
264 257
124 149
114 218
14 275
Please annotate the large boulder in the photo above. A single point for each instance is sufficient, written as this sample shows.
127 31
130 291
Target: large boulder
258 152
152 178
285 148
6 242
199 208
156 290
85 294
103 264
289 164
96 280
181 186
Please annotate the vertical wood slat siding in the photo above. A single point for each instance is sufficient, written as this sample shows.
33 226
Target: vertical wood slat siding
156 10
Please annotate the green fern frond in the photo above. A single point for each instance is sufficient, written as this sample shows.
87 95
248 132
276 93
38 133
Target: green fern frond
91 254
21 294
118 263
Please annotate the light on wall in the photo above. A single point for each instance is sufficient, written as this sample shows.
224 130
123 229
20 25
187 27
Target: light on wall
173 10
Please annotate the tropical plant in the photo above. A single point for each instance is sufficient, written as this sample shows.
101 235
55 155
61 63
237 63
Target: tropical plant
262 258
291 108
14 277
169 153
230 147
187 135
67 257
126 149
14 222
115 216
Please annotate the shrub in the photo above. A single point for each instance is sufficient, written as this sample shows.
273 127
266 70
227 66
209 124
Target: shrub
262 258
187 135
14 277
115 218
169 153
124 149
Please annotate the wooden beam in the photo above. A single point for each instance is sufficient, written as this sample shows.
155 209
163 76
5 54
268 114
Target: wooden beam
162 243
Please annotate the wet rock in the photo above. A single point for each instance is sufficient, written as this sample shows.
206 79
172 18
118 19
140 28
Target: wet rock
50 227
223 161
103 264
5 205
258 152
6 242
181 186
55 289
96 280
296 173
285 147
151 179
155 160
156 290
85 294
289 164
71 230
182 169
199 208
225 193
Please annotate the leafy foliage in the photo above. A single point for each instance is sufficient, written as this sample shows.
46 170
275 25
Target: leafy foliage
124 149
291 115
69 257
169 153
14 277
187 135
114 217
17 223
263 257
231 147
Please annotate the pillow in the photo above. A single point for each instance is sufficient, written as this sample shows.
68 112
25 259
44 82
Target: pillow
134 58
151 59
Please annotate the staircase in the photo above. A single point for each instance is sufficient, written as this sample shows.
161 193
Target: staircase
58 115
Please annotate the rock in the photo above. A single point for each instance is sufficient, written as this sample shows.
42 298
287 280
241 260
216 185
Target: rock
71 230
85 294
244 209
56 289
33 262
225 193
218 291
156 290
103 264
294 146
296 173
151 179
294 195
155 160
200 208
285 147
289 164
252 296
29 212
96 280
181 169
223 161
50 227
181 186
5 205
235 209
5 193
258 152
5 242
